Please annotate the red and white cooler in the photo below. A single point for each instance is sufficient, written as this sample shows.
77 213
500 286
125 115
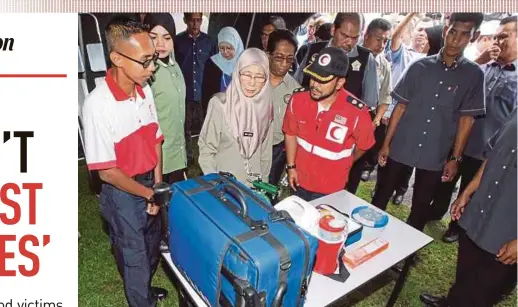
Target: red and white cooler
332 233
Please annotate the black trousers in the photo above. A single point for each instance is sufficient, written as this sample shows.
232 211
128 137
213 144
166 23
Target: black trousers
442 198
425 185
278 163
194 118
480 279
175 176
366 162
372 154
372 160
401 184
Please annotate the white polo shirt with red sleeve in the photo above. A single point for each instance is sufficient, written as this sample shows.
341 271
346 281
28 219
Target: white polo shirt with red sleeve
121 131
326 139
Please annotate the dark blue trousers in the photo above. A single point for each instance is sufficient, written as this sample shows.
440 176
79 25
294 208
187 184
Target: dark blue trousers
135 239
308 195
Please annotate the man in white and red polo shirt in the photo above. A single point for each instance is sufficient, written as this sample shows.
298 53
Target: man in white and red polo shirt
325 129
123 143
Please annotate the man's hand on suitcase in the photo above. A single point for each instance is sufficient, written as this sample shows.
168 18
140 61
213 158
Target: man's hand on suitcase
152 209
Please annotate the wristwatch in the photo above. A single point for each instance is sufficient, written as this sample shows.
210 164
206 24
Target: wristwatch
454 158
290 166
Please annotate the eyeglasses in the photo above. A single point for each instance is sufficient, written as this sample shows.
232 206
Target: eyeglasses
280 59
248 78
144 64
226 48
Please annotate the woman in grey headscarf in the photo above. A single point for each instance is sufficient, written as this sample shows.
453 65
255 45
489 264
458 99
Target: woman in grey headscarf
236 136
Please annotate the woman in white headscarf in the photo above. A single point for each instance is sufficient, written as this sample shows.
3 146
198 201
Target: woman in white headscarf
218 69
237 134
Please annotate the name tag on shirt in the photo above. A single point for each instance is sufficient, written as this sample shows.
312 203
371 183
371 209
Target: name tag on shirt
340 119
248 134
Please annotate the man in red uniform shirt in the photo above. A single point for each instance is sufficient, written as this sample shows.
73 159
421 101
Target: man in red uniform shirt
325 129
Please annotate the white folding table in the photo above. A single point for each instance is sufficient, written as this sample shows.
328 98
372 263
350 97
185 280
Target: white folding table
404 242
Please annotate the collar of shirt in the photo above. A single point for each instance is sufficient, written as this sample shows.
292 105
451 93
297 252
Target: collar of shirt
171 62
117 91
455 63
340 101
379 58
283 81
509 67
192 37
352 53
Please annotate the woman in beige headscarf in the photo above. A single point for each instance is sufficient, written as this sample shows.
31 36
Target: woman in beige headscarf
236 136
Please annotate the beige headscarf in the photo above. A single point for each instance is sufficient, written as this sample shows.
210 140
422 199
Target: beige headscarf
249 115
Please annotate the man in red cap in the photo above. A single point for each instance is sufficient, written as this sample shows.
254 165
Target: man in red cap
325 129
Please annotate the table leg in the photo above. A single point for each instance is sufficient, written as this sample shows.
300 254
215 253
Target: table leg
184 300
400 281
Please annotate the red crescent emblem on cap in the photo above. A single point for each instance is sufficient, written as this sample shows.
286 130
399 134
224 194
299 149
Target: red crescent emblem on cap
324 59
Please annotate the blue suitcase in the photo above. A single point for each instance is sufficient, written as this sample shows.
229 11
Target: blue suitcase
236 249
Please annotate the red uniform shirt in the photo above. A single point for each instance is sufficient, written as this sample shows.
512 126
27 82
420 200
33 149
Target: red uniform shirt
121 131
326 141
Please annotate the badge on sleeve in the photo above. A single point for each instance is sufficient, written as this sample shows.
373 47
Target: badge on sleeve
287 98
336 133
356 65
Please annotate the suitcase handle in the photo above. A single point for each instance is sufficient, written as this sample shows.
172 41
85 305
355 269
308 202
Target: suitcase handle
232 191
277 301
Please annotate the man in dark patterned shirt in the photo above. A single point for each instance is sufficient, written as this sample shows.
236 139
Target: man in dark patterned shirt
438 96
501 72
486 211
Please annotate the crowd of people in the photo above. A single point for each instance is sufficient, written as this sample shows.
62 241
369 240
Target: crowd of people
400 96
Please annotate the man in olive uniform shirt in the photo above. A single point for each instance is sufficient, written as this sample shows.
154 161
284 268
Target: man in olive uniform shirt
281 52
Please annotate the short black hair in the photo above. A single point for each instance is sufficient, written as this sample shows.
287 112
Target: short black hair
379 24
476 18
509 19
276 21
356 18
280 35
121 28
324 31
188 16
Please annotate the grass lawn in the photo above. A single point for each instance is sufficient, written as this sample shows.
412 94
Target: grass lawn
100 284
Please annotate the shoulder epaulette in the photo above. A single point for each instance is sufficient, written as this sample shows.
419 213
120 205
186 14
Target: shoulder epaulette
356 102
300 89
